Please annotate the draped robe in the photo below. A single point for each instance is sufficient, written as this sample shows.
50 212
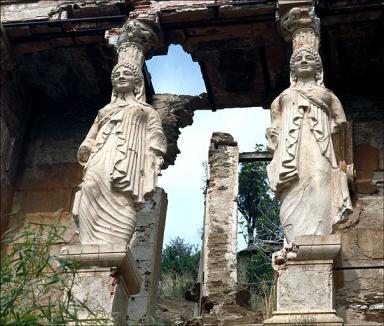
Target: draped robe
121 171
304 173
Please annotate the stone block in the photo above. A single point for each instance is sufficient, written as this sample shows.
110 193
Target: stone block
362 246
44 201
25 11
364 183
305 290
359 297
104 294
372 212
107 277
305 286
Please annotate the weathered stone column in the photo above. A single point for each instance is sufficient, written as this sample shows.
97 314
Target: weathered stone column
146 246
220 224
306 177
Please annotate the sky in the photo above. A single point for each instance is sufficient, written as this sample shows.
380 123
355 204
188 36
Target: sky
176 73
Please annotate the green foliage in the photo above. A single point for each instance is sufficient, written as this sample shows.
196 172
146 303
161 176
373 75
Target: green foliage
180 258
36 286
259 210
179 267
258 269
258 206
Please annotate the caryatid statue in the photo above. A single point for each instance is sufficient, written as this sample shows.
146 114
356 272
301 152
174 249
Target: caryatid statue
123 151
304 172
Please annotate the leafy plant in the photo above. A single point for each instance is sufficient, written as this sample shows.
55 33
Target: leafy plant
36 285
179 267
258 207
259 221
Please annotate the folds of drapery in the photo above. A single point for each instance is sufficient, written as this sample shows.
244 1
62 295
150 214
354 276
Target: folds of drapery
120 173
297 183
139 140
284 169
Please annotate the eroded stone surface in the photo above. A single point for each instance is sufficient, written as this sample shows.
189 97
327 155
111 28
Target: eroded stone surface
220 224
176 112
304 287
146 246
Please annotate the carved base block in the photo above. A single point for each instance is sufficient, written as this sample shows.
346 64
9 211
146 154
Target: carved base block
296 318
305 292
106 278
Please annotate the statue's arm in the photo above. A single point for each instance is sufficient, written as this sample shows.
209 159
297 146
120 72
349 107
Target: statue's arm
155 134
273 131
86 146
338 115
156 140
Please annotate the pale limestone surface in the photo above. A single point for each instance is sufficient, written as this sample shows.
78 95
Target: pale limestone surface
304 172
122 153
104 295
25 11
46 9
220 223
105 280
146 246
305 291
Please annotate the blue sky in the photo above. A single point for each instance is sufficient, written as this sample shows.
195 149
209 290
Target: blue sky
176 73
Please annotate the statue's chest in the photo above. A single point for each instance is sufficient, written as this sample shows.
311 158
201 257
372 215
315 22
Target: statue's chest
124 114
323 95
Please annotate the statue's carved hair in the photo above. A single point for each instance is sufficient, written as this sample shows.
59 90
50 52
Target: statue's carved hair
139 80
319 65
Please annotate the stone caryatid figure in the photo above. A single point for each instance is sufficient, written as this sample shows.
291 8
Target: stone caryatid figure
304 172
122 152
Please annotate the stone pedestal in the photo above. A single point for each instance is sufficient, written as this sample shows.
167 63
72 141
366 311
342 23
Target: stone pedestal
305 292
106 278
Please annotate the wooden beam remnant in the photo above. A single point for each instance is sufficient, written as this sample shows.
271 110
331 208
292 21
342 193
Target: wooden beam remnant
255 156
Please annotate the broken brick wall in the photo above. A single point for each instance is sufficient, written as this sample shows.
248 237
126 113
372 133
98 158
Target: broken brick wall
65 88
13 121
359 270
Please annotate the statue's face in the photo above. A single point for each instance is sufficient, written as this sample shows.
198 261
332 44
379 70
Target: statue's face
124 80
304 65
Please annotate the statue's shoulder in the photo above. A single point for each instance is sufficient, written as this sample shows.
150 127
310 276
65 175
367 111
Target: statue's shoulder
142 105
147 107
104 110
287 91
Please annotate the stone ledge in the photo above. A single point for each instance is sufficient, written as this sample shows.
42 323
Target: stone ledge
315 317
114 256
315 247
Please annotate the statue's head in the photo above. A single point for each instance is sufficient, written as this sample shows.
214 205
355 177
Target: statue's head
306 63
127 77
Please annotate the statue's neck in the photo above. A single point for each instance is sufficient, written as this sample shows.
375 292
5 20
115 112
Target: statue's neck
305 82
124 98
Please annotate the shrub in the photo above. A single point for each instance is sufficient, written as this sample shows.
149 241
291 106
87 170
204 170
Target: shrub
36 286
179 267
